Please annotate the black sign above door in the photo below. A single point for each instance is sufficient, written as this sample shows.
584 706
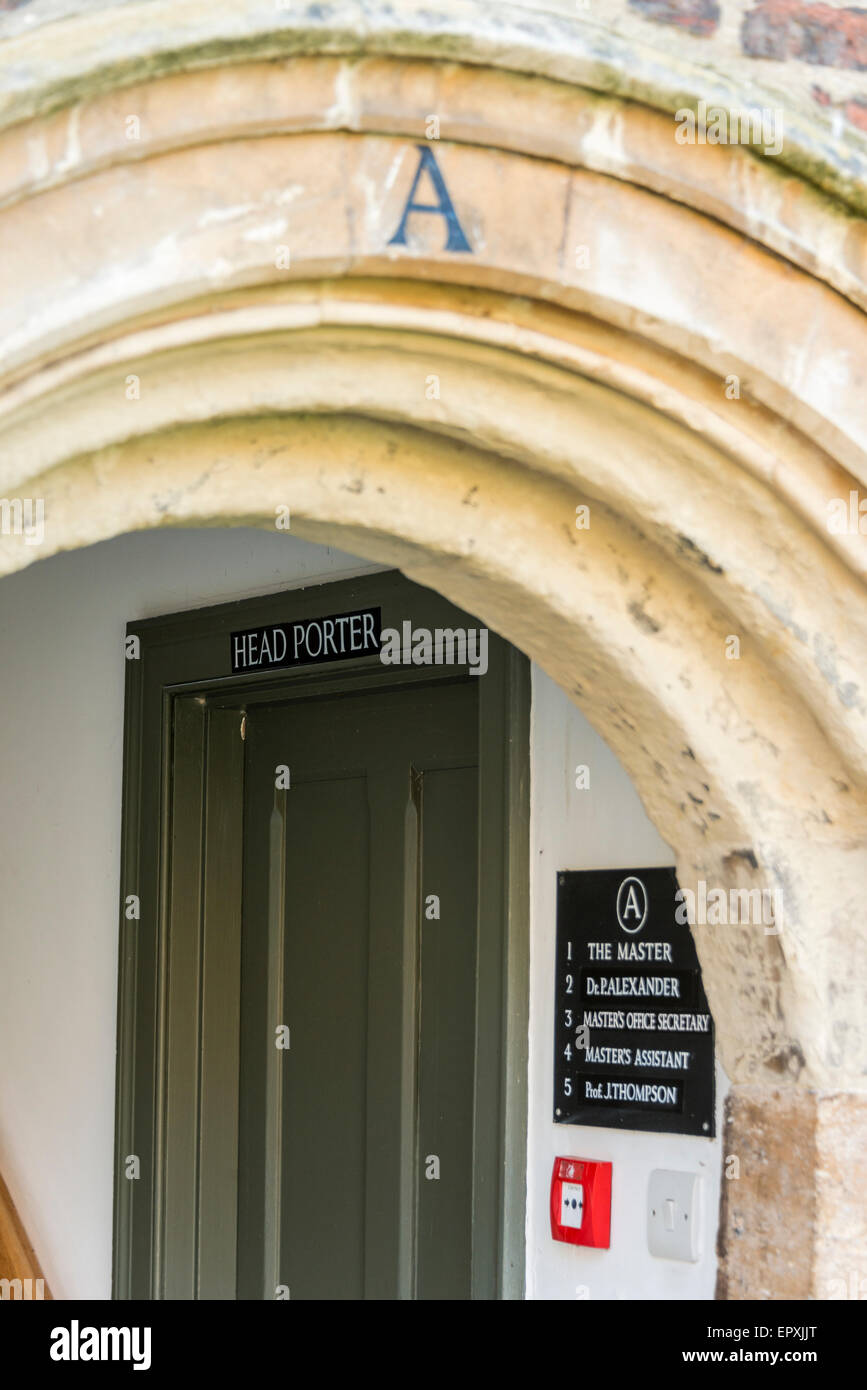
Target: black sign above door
309 641
633 1036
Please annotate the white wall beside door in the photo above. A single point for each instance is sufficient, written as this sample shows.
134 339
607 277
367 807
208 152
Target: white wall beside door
602 827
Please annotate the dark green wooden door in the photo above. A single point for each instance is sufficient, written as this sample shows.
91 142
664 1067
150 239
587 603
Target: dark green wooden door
376 909
359 958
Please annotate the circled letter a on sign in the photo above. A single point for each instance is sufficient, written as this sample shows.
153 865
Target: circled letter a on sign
632 905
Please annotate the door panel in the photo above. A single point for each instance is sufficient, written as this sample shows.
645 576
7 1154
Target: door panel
325 993
366 772
180 1228
446 1043
220 1010
203 1005
389 1153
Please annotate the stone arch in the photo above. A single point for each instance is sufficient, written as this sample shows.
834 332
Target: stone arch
694 379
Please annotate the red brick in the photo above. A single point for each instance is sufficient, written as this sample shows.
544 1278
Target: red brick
816 34
856 112
700 17
855 109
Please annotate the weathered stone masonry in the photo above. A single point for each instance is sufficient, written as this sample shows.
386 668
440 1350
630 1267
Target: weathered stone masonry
671 334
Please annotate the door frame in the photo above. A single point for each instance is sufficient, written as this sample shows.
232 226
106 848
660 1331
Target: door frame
187 655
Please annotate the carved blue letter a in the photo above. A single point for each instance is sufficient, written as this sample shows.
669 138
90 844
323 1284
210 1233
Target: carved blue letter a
444 207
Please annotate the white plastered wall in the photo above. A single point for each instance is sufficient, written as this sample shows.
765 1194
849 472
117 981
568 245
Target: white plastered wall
601 827
61 690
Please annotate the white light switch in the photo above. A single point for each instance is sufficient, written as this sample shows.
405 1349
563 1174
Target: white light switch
674 1215
572 1204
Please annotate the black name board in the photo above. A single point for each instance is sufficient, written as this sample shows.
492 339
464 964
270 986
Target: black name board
308 641
633 1036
